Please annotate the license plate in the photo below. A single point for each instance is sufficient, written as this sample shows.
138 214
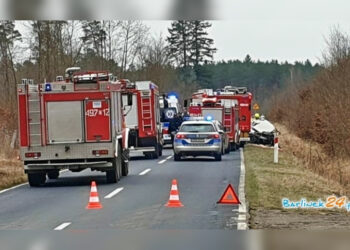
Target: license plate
167 137
197 140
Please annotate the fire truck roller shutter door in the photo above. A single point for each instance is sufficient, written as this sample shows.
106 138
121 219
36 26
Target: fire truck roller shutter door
131 118
64 120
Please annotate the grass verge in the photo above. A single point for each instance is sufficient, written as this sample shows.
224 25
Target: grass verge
11 173
267 183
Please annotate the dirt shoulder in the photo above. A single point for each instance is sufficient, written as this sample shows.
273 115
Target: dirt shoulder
267 183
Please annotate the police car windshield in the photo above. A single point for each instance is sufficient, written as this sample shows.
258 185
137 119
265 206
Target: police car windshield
197 128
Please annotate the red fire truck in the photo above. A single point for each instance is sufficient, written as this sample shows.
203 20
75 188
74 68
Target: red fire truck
142 118
74 124
205 103
244 99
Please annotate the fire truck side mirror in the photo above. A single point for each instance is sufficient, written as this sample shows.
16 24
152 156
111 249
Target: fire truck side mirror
185 103
130 95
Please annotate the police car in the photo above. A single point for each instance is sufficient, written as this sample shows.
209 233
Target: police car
199 137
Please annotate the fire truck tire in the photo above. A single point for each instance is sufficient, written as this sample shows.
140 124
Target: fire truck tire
125 168
53 175
160 150
36 179
228 149
218 156
155 154
114 175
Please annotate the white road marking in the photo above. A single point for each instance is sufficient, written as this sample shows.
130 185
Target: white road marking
162 161
62 226
145 171
242 209
8 189
115 192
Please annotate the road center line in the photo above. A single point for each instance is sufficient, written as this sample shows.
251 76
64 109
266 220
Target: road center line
145 171
162 161
115 192
62 226
169 157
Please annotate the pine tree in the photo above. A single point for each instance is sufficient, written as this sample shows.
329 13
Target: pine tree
94 36
179 41
201 45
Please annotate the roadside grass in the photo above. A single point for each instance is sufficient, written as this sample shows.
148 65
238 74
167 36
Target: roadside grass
267 183
11 169
11 173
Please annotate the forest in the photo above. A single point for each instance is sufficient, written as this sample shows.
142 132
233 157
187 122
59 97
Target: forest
181 60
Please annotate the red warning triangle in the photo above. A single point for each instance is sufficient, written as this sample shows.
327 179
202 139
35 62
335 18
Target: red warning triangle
229 196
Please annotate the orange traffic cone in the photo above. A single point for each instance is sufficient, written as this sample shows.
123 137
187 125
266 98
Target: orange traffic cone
94 201
174 200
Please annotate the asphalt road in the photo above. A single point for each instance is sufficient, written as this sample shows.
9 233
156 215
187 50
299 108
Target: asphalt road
139 204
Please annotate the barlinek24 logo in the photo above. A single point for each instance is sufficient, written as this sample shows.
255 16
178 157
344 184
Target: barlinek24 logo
331 202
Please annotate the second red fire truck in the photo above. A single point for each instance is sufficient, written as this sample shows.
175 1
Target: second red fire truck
206 103
142 118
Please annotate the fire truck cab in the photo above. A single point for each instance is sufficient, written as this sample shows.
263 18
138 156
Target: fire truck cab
142 118
74 124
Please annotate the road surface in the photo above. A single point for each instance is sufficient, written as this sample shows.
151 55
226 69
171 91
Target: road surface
135 202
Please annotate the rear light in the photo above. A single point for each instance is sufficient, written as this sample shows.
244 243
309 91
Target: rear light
180 136
100 152
216 136
32 155
165 131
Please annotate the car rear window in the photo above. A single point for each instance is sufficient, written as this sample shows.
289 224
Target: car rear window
197 128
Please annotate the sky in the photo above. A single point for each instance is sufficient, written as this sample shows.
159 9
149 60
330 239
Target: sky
286 30
273 29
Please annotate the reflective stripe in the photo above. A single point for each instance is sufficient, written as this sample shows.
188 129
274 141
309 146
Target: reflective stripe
93 189
174 198
94 199
173 187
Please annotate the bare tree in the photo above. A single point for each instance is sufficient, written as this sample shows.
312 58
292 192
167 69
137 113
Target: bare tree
338 47
133 35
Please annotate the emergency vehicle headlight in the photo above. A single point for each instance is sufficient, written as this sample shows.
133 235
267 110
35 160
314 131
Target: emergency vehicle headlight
48 87
209 118
173 95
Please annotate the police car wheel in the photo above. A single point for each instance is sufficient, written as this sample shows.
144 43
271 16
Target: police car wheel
177 157
218 157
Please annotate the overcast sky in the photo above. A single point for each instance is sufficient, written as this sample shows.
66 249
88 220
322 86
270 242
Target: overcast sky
274 29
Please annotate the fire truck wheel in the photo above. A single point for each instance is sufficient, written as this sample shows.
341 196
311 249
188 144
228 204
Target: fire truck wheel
160 150
228 149
125 168
155 154
36 179
114 174
218 156
53 175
